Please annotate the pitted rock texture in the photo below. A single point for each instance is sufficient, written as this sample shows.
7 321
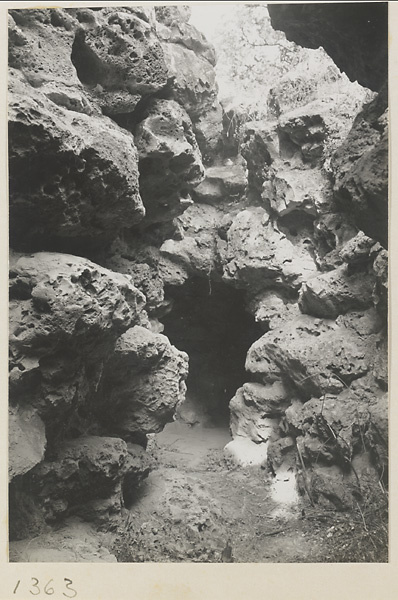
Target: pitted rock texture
360 168
354 36
259 256
194 84
255 409
65 316
119 58
113 113
318 356
190 61
83 477
336 292
73 177
173 27
144 382
40 46
169 160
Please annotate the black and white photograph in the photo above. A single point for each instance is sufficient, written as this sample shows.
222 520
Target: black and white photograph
198 199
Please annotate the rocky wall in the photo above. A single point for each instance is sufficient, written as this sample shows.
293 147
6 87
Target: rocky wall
98 146
120 193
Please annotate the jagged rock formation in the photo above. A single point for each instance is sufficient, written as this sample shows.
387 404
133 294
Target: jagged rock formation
118 231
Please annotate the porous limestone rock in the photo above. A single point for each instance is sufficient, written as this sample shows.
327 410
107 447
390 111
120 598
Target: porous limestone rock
358 249
196 252
173 27
221 182
271 309
318 356
26 438
304 133
194 83
65 316
360 168
73 177
190 61
305 191
337 292
169 160
83 476
259 256
255 409
143 384
259 146
118 57
40 46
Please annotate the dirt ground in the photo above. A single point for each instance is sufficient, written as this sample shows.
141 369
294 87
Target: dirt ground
197 507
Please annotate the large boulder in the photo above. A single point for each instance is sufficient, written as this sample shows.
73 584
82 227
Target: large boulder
360 168
26 438
318 356
143 384
337 292
118 56
169 160
259 256
65 316
40 46
73 177
85 476
196 252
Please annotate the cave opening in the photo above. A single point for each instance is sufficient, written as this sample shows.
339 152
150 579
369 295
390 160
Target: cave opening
209 322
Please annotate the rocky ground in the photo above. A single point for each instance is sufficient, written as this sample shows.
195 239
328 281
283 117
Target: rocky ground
198 506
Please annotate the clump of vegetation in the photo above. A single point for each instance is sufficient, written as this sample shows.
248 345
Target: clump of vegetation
359 535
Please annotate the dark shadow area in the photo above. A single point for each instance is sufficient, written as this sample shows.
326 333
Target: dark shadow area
209 322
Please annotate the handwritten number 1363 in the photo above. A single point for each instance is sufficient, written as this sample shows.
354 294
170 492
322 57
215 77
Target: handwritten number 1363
35 589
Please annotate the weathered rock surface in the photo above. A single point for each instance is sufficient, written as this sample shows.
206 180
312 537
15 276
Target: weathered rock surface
84 477
306 132
271 309
221 182
73 177
259 256
113 112
190 61
196 250
318 356
255 408
336 292
173 27
118 57
27 440
65 316
169 160
144 382
360 168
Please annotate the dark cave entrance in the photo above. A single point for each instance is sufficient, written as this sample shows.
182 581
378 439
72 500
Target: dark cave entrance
209 322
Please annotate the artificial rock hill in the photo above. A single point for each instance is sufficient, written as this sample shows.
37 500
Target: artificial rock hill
123 195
